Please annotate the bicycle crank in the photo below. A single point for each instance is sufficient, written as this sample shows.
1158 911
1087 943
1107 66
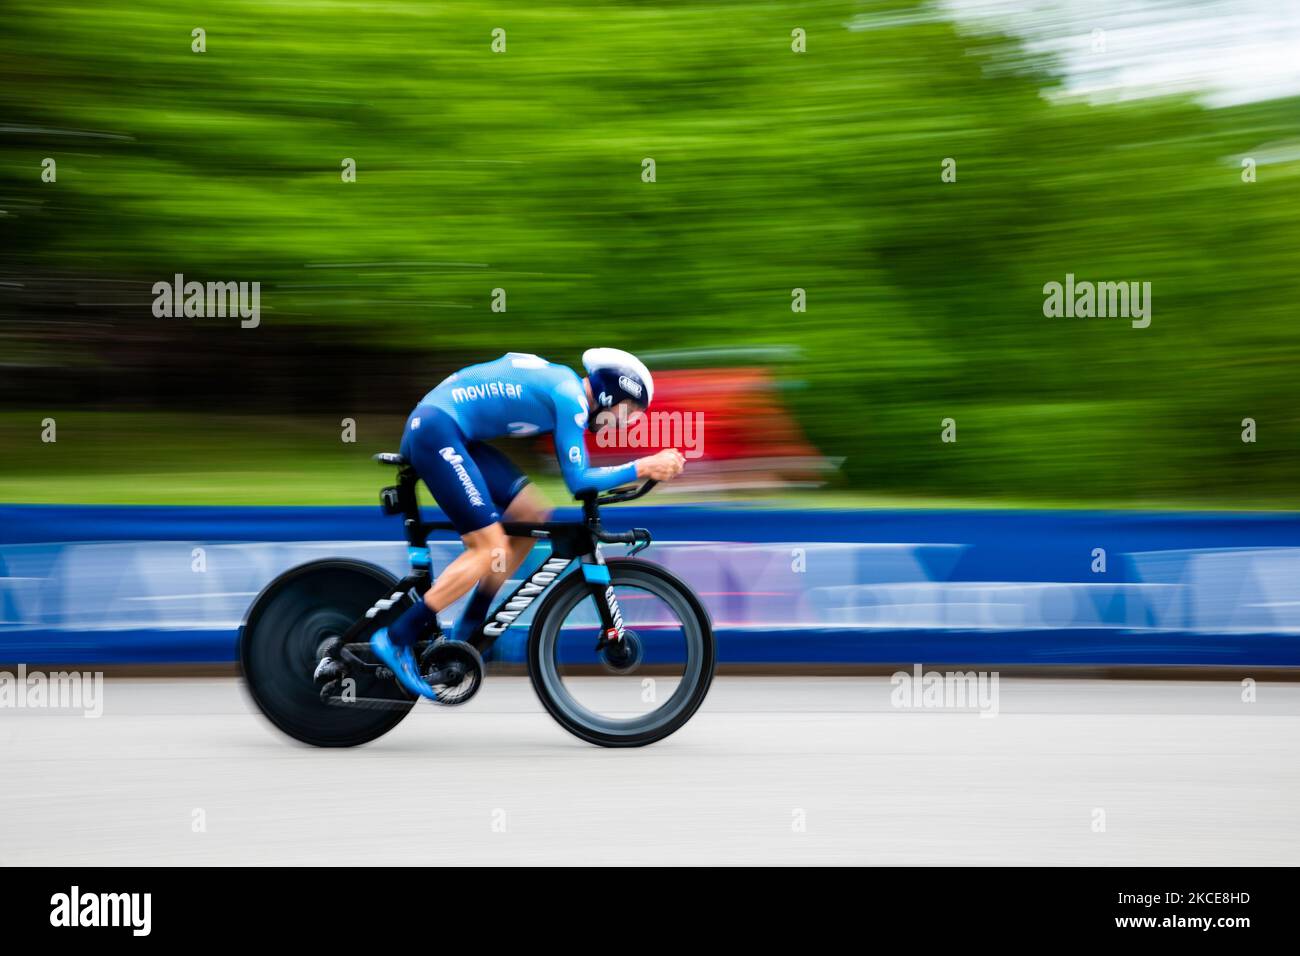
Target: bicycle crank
454 669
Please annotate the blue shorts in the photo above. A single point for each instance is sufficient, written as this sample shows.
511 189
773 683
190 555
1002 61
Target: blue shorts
472 482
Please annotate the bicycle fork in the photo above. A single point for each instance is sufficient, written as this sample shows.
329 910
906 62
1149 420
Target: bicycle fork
596 574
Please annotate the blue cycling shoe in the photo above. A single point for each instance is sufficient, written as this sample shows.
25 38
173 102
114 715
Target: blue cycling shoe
400 659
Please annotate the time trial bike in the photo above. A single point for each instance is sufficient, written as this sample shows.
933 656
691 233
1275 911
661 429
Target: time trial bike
620 651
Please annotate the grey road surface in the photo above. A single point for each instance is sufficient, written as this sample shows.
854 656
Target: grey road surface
771 770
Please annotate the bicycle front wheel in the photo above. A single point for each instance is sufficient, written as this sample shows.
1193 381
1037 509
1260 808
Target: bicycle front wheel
655 681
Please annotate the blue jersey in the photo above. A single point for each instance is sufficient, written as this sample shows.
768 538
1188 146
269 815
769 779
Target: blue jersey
519 395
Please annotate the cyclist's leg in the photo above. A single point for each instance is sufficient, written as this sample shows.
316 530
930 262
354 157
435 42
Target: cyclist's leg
435 446
517 500
528 507
437 449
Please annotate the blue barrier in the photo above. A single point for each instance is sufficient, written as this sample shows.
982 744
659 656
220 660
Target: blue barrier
104 584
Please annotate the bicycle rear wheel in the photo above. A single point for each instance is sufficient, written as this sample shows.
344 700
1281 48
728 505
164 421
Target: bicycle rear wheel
644 693
279 647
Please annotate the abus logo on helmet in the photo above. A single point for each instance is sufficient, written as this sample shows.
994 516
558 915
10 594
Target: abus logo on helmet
629 386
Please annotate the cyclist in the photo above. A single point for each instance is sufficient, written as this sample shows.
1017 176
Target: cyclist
477 486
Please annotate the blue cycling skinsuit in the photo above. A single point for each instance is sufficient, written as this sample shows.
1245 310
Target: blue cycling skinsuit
518 396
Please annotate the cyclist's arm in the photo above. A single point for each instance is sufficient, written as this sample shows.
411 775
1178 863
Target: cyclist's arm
571 449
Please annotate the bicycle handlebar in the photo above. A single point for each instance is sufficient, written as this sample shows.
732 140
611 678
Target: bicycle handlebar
621 496
622 537
639 538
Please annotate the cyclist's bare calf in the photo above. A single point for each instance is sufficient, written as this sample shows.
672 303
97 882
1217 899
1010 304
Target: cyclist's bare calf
528 507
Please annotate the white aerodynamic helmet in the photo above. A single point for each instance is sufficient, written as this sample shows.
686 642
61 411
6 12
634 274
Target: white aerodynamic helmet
616 376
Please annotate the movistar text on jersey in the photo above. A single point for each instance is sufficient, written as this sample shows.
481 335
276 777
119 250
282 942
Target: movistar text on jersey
468 393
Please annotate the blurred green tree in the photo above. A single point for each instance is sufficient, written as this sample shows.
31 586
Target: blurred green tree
775 169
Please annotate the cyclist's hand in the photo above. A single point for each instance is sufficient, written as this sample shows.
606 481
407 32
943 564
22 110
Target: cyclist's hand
661 466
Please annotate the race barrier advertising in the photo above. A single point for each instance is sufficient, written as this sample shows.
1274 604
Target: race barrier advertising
104 584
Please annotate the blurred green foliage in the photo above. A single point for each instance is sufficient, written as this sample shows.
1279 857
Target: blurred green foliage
775 170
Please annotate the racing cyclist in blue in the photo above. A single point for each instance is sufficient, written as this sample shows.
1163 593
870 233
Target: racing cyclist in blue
477 486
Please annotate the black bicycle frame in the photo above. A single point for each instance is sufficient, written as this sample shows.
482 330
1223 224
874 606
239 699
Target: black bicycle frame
569 541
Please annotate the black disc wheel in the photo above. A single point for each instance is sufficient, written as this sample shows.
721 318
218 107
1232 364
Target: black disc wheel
299 616
625 696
